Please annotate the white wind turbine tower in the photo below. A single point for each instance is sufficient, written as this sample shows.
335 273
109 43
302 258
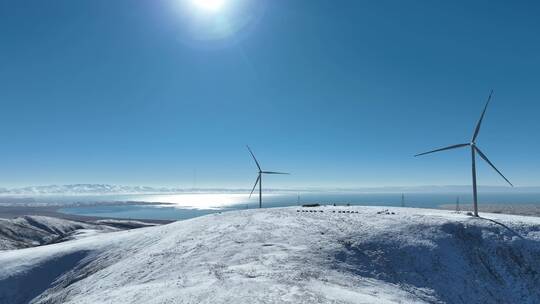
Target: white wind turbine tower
474 151
259 177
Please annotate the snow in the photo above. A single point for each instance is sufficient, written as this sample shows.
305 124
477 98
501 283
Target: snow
107 189
30 231
283 255
74 189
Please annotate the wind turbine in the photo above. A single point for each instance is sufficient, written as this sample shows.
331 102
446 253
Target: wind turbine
474 151
259 177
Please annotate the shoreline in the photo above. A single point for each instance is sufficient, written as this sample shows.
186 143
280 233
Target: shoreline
513 209
52 211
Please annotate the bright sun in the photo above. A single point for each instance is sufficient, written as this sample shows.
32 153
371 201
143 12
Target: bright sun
209 5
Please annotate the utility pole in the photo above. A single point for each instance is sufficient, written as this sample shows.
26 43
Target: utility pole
457 204
194 179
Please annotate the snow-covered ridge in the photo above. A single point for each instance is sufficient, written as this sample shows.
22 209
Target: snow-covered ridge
30 231
325 255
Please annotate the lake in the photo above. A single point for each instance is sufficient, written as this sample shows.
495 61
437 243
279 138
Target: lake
185 206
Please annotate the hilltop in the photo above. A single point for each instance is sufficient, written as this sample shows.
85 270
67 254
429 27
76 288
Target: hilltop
292 255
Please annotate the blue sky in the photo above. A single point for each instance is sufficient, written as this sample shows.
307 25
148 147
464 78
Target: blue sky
341 94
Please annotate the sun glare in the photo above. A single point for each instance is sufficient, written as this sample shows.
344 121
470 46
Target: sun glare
198 200
217 20
209 5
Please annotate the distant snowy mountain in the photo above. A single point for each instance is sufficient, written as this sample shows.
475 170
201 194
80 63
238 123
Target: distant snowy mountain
290 255
96 189
85 189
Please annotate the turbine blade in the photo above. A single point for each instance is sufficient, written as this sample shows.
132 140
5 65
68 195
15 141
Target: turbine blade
273 172
253 155
492 165
479 124
256 182
442 149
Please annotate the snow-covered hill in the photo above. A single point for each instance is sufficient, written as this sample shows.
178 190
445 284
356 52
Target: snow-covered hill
30 231
328 255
